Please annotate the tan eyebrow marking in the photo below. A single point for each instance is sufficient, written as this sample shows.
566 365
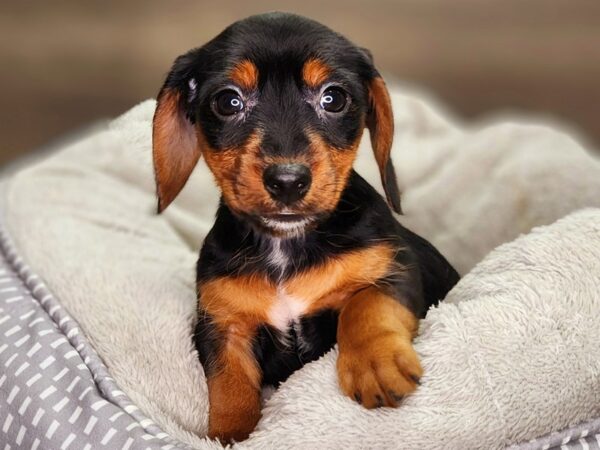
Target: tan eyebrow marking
245 74
315 72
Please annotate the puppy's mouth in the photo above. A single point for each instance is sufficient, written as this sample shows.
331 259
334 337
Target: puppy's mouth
286 223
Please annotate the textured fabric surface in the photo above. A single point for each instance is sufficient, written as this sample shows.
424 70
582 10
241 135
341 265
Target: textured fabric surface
122 272
584 436
54 390
127 275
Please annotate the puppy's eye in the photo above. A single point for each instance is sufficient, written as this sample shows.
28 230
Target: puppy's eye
333 100
228 103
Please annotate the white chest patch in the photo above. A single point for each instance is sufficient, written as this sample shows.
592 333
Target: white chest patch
285 310
277 257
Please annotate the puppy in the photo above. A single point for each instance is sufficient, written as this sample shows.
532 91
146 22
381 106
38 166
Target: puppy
304 253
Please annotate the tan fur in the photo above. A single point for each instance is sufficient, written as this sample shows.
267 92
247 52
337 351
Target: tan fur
330 169
380 122
175 147
381 125
331 284
315 72
238 172
237 303
245 75
377 364
234 390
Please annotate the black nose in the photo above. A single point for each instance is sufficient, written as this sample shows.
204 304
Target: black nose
287 183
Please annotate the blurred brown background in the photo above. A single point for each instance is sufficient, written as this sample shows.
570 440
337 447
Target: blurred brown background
67 63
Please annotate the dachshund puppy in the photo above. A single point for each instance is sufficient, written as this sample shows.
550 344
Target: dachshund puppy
304 253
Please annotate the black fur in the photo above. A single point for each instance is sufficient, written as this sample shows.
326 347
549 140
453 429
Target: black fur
279 355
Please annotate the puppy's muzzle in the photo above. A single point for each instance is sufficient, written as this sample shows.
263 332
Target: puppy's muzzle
287 183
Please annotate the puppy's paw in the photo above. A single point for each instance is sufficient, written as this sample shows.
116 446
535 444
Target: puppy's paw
379 371
232 426
234 408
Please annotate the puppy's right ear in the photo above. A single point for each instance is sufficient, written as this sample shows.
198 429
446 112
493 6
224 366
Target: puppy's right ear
175 143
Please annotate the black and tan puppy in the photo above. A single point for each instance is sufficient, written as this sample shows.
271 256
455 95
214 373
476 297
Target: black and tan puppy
304 253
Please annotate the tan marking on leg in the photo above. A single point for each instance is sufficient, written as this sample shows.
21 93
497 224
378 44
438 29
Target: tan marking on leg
377 364
239 301
234 389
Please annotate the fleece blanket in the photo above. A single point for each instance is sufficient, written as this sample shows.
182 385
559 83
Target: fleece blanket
84 220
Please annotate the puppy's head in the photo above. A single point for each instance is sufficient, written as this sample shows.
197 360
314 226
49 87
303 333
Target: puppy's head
276 105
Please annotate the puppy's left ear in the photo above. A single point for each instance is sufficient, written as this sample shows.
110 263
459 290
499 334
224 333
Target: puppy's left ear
175 143
380 122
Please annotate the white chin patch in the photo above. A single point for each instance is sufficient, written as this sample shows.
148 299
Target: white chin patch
286 226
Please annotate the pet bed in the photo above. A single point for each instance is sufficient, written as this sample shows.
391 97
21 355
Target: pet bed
97 298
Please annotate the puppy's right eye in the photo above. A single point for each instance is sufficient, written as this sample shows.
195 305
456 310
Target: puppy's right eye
333 100
228 103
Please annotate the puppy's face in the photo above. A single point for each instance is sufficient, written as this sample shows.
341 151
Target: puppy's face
276 105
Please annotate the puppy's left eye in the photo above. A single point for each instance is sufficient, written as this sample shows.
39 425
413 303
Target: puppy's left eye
333 100
228 103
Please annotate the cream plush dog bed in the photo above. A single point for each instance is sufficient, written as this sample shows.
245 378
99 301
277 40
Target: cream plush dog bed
511 355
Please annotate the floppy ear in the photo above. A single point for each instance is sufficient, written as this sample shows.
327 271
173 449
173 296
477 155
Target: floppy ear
175 144
380 121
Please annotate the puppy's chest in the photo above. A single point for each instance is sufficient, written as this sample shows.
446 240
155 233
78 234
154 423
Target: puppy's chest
255 298
321 286
285 307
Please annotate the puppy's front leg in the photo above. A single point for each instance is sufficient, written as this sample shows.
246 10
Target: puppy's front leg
377 364
234 388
